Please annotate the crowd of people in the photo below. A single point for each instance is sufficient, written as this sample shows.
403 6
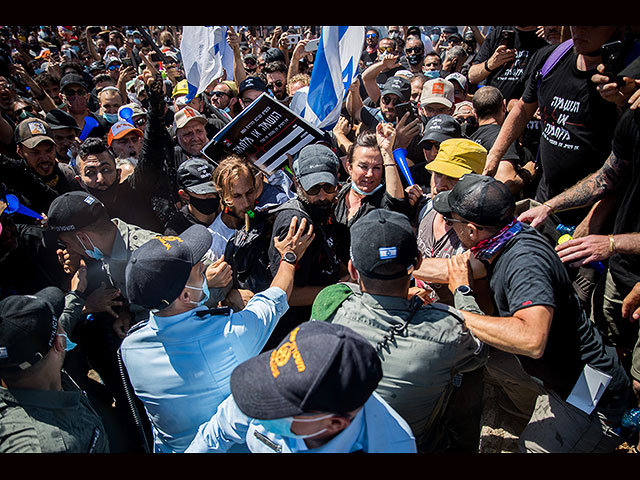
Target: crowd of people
155 299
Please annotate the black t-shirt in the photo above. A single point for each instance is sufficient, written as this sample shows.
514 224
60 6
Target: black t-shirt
486 136
625 269
508 77
528 272
577 128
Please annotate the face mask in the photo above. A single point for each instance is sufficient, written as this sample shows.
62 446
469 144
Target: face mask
434 38
76 49
430 74
110 117
137 41
204 289
357 190
415 59
206 206
96 254
70 344
282 426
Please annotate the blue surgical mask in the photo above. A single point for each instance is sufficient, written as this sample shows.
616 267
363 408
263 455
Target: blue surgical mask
366 194
110 117
70 344
204 289
282 426
431 74
96 254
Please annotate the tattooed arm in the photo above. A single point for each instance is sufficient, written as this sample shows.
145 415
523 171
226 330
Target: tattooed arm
586 192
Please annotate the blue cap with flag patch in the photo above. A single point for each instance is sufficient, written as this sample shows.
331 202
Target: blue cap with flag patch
383 245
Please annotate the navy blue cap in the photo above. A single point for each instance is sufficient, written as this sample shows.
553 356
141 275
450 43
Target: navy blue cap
318 367
158 270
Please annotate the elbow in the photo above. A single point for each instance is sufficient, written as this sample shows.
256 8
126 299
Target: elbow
536 346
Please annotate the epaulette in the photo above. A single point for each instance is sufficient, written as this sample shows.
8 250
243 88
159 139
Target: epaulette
214 311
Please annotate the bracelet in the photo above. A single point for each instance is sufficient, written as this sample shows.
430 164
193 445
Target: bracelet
547 205
612 244
486 66
390 164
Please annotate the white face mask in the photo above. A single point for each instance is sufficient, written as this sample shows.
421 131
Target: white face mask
204 289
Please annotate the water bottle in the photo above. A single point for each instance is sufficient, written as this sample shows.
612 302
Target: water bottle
631 419
567 232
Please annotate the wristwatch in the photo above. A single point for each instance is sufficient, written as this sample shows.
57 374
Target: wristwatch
290 257
464 290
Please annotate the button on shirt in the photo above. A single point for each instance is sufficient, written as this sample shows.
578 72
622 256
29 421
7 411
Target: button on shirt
180 365
376 428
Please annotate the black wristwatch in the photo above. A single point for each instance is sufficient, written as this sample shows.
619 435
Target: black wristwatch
464 290
290 257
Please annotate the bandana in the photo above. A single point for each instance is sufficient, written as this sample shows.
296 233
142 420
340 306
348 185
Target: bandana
489 247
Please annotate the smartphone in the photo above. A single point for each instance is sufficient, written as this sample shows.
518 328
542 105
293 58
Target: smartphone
94 30
508 38
126 62
613 61
403 108
312 45
53 49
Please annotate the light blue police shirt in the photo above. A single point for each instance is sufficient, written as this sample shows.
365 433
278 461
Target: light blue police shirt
180 366
376 428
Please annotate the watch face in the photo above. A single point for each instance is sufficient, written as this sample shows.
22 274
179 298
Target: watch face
290 257
464 289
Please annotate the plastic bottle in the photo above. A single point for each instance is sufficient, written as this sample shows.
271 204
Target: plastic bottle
631 419
567 233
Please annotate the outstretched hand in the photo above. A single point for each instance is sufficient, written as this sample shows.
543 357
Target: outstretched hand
296 241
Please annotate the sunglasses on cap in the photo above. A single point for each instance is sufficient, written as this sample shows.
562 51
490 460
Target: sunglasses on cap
327 187
386 49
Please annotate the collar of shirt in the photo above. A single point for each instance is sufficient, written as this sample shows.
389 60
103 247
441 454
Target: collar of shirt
157 322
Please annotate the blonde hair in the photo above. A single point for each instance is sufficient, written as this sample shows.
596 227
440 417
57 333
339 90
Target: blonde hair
229 169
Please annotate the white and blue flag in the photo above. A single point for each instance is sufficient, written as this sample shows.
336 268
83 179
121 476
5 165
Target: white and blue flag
334 70
205 53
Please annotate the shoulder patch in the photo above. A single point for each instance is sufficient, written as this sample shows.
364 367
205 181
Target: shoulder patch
329 300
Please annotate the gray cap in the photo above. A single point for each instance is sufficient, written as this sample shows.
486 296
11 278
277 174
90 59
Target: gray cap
316 164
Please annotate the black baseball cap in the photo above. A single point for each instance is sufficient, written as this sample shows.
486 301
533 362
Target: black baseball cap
59 119
479 199
440 128
158 270
318 367
72 79
28 327
32 131
383 245
196 176
399 86
74 210
252 83
316 164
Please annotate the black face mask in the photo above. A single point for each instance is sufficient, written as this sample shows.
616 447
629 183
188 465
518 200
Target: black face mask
415 59
206 206
318 212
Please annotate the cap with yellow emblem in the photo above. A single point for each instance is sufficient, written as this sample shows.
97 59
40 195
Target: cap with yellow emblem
318 367
158 270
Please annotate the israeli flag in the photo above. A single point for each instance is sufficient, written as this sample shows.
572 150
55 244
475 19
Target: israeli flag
334 70
205 53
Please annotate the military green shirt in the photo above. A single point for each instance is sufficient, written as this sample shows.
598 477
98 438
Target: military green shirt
45 421
420 361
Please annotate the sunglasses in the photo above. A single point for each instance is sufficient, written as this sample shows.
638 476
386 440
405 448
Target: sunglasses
277 83
140 122
74 93
450 221
219 94
388 100
414 50
114 67
327 187
371 35
386 49
430 145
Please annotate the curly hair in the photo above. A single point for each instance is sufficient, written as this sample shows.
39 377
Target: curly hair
229 169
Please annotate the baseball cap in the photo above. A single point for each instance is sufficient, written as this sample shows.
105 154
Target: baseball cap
316 164
440 128
112 60
74 210
438 90
450 29
459 78
233 86
135 108
399 86
28 327
158 270
185 115
72 79
383 245
196 176
252 83
480 199
457 157
181 88
58 119
120 129
318 367
32 132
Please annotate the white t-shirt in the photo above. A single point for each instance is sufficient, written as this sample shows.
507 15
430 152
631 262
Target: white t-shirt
220 234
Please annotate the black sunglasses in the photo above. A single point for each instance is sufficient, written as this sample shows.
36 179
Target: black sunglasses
327 187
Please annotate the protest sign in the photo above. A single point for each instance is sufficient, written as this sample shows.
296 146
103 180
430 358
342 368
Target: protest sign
264 133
